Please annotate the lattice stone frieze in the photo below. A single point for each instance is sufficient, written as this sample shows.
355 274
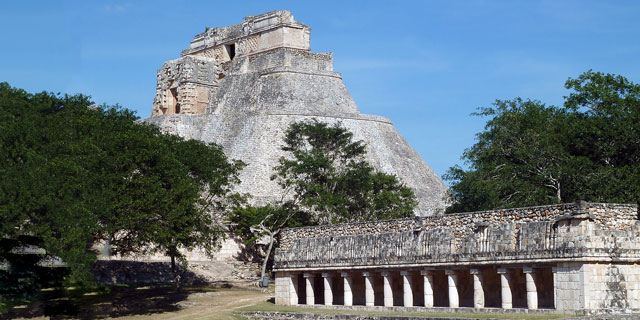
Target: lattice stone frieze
250 44
209 53
218 53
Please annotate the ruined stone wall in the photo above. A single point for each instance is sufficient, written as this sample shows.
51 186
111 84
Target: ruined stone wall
587 252
595 232
228 251
438 248
611 216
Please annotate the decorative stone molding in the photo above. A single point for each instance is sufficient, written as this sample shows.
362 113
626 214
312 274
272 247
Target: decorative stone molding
440 240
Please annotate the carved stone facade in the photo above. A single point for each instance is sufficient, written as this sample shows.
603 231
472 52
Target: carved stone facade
241 86
571 257
188 84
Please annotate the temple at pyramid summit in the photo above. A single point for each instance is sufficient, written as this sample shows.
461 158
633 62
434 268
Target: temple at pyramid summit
241 86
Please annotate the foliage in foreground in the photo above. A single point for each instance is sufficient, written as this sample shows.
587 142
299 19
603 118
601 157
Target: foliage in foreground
533 154
74 176
325 174
324 179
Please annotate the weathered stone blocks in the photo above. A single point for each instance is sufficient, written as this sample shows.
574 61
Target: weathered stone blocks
258 77
563 259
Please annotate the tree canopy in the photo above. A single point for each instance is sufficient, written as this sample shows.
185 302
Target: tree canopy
533 154
75 175
327 176
324 179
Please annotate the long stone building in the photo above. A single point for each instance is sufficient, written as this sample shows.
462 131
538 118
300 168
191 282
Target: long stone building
577 257
241 86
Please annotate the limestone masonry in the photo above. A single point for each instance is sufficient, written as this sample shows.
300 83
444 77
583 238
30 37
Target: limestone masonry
579 257
241 86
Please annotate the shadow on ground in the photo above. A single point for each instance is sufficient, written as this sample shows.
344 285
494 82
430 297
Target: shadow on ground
130 288
115 301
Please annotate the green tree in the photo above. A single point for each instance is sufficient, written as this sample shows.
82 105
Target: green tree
532 154
604 137
518 160
324 179
325 174
255 223
75 175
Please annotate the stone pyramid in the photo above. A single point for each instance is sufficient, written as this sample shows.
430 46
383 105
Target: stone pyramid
241 86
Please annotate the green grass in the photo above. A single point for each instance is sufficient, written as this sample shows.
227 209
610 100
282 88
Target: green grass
272 307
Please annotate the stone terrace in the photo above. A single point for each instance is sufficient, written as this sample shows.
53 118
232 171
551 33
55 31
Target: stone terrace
577 256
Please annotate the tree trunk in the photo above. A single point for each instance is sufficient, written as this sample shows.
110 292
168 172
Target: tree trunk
266 258
176 276
173 265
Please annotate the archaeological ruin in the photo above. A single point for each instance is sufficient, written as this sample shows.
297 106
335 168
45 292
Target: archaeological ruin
241 86
579 257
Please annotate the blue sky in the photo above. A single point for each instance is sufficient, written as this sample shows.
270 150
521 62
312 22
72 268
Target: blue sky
426 65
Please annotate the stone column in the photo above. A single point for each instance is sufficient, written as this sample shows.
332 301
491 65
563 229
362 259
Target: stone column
369 294
328 290
554 270
388 290
532 291
407 297
478 291
452 279
348 294
293 289
505 283
428 287
311 298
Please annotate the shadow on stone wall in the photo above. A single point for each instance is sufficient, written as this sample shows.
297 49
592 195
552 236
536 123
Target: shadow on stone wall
136 272
251 253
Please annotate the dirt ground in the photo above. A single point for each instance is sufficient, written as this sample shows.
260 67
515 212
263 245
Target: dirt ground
210 305
164 302
221 302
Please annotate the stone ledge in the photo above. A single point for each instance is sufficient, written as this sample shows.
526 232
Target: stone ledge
320 73
464 310
353 116
259 315
275 315
505 258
